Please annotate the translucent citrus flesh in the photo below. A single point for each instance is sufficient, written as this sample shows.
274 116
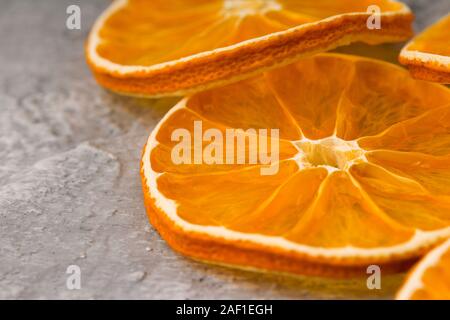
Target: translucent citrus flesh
430 279
163 30
436 281
434 40
364 155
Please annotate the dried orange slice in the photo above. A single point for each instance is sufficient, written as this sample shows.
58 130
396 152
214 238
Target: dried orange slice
363 169
430 279
428 55
159 47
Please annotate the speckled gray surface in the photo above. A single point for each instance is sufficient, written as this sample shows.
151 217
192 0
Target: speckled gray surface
69 178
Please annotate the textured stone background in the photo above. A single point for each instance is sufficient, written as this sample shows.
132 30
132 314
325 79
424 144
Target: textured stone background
69 181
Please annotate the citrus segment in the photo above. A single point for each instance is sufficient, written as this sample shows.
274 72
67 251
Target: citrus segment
427 133
339 213
428 55
263 110
245 191
190 122
154 48
343 200
396 195
367 104
280 212
430 278
329 77
433 173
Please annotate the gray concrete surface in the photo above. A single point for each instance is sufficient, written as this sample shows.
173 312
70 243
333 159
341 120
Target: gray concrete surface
69 179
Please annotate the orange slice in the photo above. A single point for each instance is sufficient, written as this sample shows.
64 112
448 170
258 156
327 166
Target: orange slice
160 48
363 169
430 279
428 55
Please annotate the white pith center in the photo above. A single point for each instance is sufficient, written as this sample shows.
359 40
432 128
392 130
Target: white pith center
332 153
249 7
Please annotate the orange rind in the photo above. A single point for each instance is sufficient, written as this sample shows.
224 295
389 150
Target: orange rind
428 55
